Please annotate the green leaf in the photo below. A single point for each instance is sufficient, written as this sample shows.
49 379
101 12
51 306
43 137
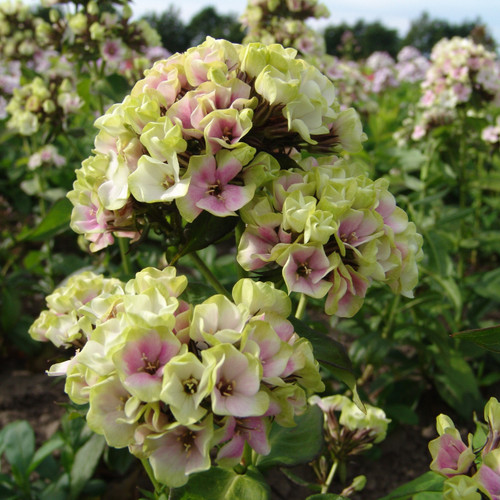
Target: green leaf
224 484
295 445
86 460
488 285
55 222
487 338
45 450
326 496
430 482
457 384
18 443
205 230
331 355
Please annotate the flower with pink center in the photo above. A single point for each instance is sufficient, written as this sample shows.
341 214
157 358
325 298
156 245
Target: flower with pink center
112 51
261 340
450 456
346 295
179 452
235 382
488 475
237 432
256 245
211 189
305 270
358 227
225 127
142 357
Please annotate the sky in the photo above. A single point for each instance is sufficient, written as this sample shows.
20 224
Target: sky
392 13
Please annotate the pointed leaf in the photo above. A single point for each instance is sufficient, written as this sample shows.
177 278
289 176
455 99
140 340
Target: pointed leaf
430 482
487 338
18 443
295 445
55 222
222 484
331 355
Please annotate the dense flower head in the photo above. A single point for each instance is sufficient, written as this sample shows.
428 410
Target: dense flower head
352 85
462 74
203 132
412 66
282 21
332 232
175 382
42 102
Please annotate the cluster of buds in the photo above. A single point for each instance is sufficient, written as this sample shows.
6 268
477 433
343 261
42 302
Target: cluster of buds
176 383
283 22
18 27
41 102
467 469
203 132
331 231
354 430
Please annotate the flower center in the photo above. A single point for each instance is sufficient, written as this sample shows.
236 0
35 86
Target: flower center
187 440
190 385
303 270
150 367
215 190
226 388
227 134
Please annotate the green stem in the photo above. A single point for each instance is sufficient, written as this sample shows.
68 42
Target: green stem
123 244
301 307
462 180
326 486
390 319
159 489
208 275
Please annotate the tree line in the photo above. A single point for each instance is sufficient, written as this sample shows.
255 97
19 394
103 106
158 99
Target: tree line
356 41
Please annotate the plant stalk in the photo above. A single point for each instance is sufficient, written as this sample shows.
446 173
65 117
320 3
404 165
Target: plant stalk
208 275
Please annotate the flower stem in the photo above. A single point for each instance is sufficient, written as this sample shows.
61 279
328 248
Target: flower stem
326 486
159 489
208 275
301 307
122 243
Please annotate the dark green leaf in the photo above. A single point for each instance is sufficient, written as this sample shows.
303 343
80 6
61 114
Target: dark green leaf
86 460
205 230
45 450
487 338
224 484
295 445
330 354
18 441
457 384
55 222
326 496
430 482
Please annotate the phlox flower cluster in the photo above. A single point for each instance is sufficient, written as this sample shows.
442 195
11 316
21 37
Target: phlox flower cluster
178 383
10 79
352 85
461 72
411 65
204 131
471 473
330 232
42 102
382 71
17 32
282 21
